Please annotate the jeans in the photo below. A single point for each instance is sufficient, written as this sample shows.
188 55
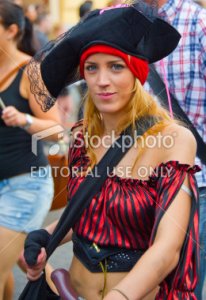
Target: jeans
25 200
202 233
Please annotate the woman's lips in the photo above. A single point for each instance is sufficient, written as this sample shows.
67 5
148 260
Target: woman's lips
105 96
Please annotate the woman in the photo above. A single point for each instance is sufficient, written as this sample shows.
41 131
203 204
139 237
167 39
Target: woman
145 216
26 190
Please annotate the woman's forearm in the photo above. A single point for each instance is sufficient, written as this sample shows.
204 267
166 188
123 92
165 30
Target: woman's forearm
148 273
53 127
51 227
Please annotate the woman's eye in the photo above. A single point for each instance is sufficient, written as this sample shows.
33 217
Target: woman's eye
117 67
91 68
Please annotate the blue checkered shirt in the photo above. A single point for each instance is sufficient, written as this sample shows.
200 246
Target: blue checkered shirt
186 66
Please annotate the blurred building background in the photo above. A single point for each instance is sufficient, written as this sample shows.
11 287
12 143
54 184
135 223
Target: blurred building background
65 11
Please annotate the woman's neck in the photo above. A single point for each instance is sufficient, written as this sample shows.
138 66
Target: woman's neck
9 57
110 124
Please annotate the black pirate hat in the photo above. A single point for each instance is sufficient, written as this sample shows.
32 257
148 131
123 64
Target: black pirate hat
125 28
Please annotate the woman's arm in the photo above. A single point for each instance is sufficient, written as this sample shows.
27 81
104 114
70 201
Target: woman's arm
50 228
40 120
163 256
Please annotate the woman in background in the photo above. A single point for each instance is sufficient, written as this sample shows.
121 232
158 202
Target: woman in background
26 191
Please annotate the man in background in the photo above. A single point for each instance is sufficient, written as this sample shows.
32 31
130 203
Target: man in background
186 75
84 9
42 28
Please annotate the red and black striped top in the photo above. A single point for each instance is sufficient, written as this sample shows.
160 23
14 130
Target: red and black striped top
126 213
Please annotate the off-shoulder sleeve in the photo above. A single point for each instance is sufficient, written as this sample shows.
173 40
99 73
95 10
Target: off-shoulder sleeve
78 159
181 282
76 143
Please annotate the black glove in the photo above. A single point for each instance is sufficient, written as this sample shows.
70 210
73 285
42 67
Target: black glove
33 244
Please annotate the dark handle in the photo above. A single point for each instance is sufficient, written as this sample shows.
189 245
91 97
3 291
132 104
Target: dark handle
61 279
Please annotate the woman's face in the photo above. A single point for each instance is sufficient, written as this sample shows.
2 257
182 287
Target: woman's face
3 36
110 82
7 35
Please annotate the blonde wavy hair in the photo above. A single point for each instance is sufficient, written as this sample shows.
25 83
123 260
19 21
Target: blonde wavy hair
141 104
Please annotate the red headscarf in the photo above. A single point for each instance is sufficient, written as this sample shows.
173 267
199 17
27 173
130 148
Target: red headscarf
137 66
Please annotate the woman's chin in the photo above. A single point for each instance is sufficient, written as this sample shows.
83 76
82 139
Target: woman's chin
108 110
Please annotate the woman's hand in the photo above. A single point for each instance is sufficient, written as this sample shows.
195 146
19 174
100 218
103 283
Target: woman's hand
34 272
13 117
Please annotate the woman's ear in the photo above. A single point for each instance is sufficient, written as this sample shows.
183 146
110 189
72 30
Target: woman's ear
12 32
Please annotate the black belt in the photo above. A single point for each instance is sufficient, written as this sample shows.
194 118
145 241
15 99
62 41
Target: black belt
115 259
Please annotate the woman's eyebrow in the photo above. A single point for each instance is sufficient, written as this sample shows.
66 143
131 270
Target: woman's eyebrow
108 62
115 61
90 62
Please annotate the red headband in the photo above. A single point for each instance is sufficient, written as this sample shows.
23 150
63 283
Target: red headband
137 66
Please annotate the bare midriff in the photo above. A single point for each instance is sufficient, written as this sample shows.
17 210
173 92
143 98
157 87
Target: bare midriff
90 285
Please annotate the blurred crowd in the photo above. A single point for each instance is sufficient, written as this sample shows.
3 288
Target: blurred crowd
44 30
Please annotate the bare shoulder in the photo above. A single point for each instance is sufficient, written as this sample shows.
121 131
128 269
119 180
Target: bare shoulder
180 133
181 144
25 57
25 83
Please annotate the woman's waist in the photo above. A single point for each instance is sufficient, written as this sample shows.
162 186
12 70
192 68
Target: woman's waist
90 285
100 258
84 281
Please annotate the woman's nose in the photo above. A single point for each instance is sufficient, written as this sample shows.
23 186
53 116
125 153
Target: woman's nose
103 78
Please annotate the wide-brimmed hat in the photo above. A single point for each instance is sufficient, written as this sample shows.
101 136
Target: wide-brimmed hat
125 28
